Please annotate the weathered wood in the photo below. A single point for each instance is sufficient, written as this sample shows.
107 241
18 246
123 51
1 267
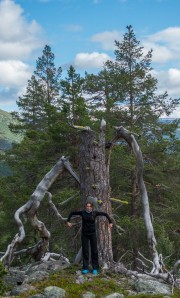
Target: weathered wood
29 209
94 182
121 132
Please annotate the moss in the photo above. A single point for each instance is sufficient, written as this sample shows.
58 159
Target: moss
101 285
72 289
66 279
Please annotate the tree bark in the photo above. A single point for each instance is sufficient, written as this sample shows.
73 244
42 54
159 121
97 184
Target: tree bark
94 182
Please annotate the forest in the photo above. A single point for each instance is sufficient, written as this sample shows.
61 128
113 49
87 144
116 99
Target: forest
53 113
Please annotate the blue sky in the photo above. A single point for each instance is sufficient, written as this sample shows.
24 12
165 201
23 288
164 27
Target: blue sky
82 33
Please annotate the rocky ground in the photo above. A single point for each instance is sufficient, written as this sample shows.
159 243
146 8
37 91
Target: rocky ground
57 279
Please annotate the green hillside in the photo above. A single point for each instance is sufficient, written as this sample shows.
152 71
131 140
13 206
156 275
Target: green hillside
6 136
6 140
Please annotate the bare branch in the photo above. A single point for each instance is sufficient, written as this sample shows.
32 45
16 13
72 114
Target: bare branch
85 128
145 258
68 167
54 207
175 268
122 133
142 264
69 199
30 210
54 257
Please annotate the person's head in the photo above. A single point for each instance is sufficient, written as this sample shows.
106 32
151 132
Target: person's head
88 206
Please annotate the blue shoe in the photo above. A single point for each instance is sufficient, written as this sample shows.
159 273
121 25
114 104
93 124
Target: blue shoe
94 271
85 271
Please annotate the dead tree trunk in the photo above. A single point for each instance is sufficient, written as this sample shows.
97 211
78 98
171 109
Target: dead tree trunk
94 182
29 210
130 139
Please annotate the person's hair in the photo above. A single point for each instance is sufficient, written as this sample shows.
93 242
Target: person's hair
89 203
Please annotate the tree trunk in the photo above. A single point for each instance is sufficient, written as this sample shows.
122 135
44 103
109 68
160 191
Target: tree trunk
94 182
130 139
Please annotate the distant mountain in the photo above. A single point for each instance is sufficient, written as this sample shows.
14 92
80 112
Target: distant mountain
169 120
6 136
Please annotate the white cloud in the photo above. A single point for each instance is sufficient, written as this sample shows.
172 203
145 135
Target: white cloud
166 48
169 81
107 39
176 113
174 76
90 60
169 35
161 54
14 73
15 50
19 38
165 45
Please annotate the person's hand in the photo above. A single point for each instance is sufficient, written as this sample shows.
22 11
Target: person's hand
69 224
111 225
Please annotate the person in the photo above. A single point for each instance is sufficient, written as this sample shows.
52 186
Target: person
89 235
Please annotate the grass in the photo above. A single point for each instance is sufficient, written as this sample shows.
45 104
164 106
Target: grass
66 279
100 285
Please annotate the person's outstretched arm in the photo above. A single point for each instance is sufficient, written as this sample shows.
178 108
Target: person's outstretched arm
69 224
99 213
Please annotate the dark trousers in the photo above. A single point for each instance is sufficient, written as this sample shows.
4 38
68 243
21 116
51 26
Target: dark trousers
92 239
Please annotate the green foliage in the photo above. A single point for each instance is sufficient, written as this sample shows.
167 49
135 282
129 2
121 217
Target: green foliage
134 234
101 285
2 273
123 93
164 244
48 75
37 106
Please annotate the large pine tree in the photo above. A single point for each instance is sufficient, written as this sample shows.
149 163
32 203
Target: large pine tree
30 114
125 93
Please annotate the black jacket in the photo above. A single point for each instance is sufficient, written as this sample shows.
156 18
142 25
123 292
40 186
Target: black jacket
88 220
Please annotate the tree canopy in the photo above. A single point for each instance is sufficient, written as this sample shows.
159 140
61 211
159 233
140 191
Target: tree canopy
124 93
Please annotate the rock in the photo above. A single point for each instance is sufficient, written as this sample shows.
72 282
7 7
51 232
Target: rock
14 278
57 265
36 276
115 295
48 266
80 279
130 293
19 278
21 289
78 272
37 296
150 285
88 295
54 292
